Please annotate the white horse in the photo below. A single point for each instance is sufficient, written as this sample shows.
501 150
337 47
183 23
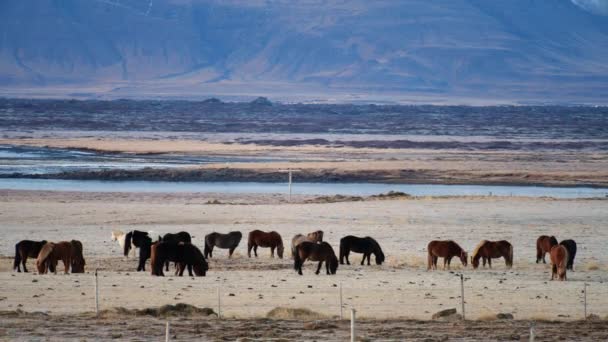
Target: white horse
120 236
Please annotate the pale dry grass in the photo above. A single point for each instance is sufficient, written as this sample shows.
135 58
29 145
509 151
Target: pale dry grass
592 266
293 313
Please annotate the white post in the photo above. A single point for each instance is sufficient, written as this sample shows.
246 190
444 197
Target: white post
352 325
96 294
219 303
167 332
462 295
290 177
532 332
585 294
341 314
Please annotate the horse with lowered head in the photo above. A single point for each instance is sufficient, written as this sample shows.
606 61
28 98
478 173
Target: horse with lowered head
69 252
321 252
446 249
225 241
316 236
25 249
183 254
488 250
272 240
365 245
559 262
544 244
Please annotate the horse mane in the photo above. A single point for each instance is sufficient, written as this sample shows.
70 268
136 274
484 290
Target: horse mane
44 254
478 247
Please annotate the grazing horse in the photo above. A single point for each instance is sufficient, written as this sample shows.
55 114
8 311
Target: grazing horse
488 250
321 252
258 238
184 237
365 245
571 248
447 250
183 254
25 249
559 262
69 252
226 241
142 241
298 238
543 246
120 236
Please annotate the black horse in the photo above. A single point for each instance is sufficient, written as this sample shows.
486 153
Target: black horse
25 249
365 245
183 254
226 241
142 241
184 237
571 248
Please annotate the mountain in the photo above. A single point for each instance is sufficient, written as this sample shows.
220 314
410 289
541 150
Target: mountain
520 50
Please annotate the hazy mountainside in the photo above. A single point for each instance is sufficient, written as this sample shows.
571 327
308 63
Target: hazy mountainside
555 49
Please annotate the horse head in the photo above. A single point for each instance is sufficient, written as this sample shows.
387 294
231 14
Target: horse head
463 258
378 254
333 264
474 262
280 249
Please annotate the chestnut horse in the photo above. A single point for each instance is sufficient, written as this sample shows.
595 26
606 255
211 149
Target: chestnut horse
446 249
298 238
226 241
69 252
543 246
571 247
258 238
488 250
183 254
25 249
559 261
321 252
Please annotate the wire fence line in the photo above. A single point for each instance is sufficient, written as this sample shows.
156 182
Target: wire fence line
562 301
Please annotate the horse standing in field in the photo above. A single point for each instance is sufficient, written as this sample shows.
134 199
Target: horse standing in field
571 247
226 241
559 262
69 252
488 250
316 236
25 249
185 255
321 252
184 237
258 238
142 241
447 250
543 246
365 245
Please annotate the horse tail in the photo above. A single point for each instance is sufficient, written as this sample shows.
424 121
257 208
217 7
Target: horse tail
128 239
297 260
17 257
207 250
510 264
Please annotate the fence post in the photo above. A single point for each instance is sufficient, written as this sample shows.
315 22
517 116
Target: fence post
167 332
341 314
532 332
585 296
96 294
352 325
219 303
462 295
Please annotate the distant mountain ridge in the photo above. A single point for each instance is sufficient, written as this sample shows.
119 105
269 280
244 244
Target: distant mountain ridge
517 49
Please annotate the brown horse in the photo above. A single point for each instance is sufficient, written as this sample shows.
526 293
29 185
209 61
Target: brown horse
488 250
559 261
258 238
69 252
25 249
299 238
447 250
321 252
543 246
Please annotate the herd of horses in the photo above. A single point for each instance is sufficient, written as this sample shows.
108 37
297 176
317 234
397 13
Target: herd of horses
178 248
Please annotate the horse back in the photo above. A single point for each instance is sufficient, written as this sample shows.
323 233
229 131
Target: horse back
444 248
559 255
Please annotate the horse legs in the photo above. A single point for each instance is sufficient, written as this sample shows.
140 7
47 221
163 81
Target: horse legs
369 256
319 267
449 261
272 252
346 254
66 265
363 260
553 271
490 262
249 247
299 266
230 251
23 260
255 250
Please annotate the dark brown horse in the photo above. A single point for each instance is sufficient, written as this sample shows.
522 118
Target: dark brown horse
258 238
447 250
25 249
321 252
183 254
141 240
543 246
69 252
226 241
365 245
488 250
559 262
571 247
